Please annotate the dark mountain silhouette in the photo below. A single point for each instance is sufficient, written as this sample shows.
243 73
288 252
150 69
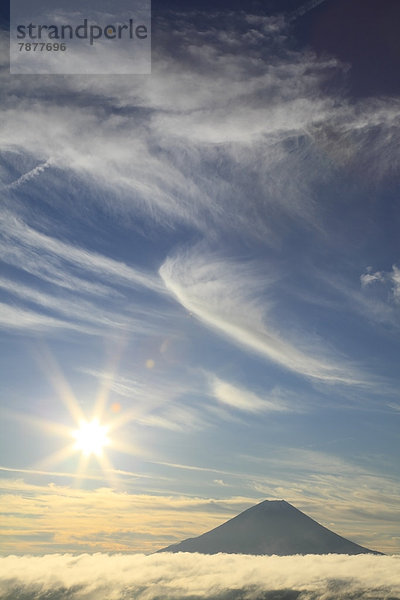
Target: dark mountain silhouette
271 527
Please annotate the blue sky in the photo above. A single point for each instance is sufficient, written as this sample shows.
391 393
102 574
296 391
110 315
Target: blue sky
207 259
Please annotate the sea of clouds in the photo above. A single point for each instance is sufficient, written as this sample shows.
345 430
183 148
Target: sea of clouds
195 576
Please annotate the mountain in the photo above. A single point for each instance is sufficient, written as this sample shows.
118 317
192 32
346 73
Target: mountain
271 527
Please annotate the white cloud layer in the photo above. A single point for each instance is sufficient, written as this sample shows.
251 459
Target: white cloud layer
194 576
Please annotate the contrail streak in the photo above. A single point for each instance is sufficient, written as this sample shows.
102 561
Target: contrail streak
31 174
304 8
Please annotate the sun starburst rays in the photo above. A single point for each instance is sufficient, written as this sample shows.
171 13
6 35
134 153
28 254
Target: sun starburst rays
57 457
91 437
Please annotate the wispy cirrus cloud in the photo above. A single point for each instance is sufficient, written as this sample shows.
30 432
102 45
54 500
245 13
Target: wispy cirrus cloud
76 312
239 398
226 296
157 399
210 98
71 287
16 318
15 231
390 278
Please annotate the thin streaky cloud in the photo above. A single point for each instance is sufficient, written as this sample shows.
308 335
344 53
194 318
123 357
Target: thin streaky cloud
50 269
192 468
77 310
89 261
72 475
60 474
304 8
20 319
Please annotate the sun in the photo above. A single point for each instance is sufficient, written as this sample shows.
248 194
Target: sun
91 437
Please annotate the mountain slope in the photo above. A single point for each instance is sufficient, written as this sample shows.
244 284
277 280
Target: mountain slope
271 527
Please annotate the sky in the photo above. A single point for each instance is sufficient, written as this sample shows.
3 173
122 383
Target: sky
205 260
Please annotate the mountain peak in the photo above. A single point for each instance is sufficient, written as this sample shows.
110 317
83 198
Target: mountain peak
270 527
272 505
